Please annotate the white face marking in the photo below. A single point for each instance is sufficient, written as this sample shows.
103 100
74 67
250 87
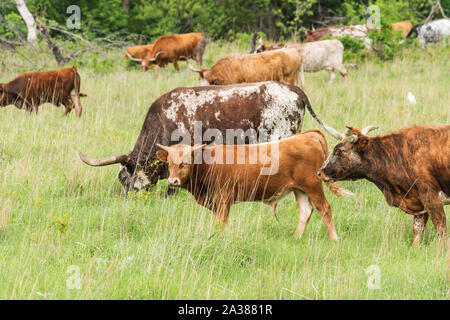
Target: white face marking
141 180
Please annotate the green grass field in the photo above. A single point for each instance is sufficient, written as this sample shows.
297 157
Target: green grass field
62 221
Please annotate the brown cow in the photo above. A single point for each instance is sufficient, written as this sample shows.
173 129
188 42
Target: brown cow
30 90
360 31
177 47
138 54
258 172
410 166
279 65
404 26
357 31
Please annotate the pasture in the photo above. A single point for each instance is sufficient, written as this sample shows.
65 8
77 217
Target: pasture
62 221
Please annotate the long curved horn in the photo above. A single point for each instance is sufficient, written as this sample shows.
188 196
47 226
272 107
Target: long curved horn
163 147
367 129
192 68
156 55
131 57
336 134
350 136
120 158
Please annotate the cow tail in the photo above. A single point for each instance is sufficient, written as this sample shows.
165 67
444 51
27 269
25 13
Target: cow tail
308 106
76 83
338 191
75 79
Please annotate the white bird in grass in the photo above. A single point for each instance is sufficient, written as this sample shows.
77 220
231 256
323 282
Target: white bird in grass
411 98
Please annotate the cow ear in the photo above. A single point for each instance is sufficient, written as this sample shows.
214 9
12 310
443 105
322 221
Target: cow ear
362 142
162 155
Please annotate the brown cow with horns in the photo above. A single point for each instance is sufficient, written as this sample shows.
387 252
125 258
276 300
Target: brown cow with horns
410 166
176 47
228 174
29 90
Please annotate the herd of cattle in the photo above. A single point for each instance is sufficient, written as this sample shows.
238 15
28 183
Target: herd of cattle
258 92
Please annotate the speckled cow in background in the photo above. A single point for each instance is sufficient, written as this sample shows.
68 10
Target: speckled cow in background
272 107
433 31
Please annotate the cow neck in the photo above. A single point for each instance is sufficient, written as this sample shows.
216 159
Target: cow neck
380 162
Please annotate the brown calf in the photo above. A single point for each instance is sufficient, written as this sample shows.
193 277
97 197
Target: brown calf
30 90
410 166
259 172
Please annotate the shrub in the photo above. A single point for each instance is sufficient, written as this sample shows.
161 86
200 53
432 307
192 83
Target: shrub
385 43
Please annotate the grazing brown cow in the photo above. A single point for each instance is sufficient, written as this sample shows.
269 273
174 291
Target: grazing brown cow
29 90
404 26
259 172
177 47
357 31
410 166
279 65
138 54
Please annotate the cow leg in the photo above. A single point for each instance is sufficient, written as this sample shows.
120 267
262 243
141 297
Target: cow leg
175 64
320 202
199 60
420 222
274 210
305 210
75 96
156 68
437 216
222 211
433 205
68 104
342 71
332 74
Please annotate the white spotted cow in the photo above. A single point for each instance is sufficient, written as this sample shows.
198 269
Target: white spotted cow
433 31
273 108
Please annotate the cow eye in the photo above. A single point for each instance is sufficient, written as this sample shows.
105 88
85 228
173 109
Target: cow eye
181 165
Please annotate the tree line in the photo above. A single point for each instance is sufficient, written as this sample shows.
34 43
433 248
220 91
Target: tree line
218 19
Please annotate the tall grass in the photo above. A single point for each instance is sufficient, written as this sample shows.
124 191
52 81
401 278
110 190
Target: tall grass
58 216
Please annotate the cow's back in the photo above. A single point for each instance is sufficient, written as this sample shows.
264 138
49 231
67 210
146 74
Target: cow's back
269 65
240 171
178 44
265 105
44 86
430 153
321 54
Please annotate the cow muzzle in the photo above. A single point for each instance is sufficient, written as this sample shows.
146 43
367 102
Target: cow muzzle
322 176
174 182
